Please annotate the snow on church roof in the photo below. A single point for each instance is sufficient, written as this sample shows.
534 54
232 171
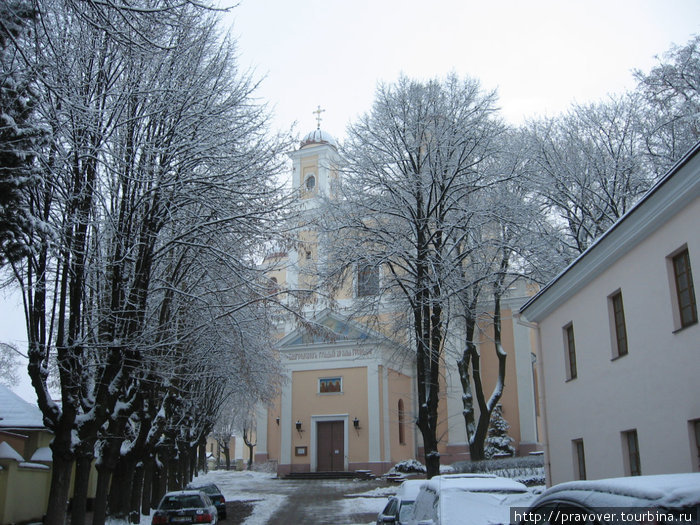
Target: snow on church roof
318 136
18 413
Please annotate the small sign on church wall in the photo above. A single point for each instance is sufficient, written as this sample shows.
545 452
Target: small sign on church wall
330 385
300 451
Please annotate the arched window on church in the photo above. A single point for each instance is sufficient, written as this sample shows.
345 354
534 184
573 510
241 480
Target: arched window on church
402 431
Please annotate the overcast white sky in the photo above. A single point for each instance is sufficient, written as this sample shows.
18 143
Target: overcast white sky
540 55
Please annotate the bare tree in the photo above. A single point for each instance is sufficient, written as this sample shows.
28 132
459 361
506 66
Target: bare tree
587 167
408 166
159 169
20 134
671 91
9 363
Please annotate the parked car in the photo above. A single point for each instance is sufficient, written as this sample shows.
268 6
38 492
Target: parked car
468 499
215 495
398 508
185 506
665 498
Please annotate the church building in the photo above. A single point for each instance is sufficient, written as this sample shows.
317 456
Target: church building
349 399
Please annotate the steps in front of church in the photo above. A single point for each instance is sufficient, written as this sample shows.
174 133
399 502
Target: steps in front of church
358 474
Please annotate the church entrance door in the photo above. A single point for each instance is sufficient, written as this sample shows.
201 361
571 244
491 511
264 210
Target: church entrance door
330 446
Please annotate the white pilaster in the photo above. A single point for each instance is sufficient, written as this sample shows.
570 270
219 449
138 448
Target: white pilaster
373 431
526 389
286 424
387 414
261 429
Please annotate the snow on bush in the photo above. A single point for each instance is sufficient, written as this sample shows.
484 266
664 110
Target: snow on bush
528 470
409 466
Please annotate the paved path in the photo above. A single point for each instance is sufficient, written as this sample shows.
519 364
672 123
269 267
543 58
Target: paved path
315 502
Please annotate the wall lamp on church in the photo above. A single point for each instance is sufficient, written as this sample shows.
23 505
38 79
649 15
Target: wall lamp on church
356 424
298 425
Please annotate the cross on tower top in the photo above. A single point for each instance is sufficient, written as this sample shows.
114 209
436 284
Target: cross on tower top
318 116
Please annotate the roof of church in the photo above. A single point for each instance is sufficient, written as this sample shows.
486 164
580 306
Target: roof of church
318 136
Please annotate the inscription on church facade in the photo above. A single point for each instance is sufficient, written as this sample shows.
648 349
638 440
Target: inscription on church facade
326 354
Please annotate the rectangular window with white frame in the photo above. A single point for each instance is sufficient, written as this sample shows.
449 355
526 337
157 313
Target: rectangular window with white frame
579 459
685 310
570 352
694 427
630 446
618 324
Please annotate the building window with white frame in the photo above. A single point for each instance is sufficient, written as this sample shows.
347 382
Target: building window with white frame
570 354
619 326
579 459
630 444
685 290
695 438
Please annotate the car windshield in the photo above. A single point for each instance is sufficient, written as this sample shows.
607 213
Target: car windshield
209 489
181 502
406 511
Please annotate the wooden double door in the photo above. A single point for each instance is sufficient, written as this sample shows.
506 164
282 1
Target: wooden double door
330 446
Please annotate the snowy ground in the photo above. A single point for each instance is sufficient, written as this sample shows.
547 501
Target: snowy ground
339 499
269 494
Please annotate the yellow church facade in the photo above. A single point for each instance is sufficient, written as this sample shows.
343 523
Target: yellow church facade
348 401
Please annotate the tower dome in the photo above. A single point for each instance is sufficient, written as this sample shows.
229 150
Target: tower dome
318 136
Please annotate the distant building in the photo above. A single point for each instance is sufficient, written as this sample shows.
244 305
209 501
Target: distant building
349 401
25 460
619 342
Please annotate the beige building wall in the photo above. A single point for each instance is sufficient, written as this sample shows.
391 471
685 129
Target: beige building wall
308 402
400 387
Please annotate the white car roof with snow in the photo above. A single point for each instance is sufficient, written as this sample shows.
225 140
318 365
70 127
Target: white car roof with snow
481 508
408 490
475 483
186 492
663 490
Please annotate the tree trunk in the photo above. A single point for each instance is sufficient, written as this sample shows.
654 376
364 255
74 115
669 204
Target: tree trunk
227 456
121 487
202 457
146 493
60 486
99 511
172 473
80 488
136 490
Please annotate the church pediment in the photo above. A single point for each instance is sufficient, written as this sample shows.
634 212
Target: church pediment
326 328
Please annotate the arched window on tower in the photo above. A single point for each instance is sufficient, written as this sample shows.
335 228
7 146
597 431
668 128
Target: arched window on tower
402 430
310 183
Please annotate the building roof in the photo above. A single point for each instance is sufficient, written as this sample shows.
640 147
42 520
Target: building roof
318 136
16 413
676 189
